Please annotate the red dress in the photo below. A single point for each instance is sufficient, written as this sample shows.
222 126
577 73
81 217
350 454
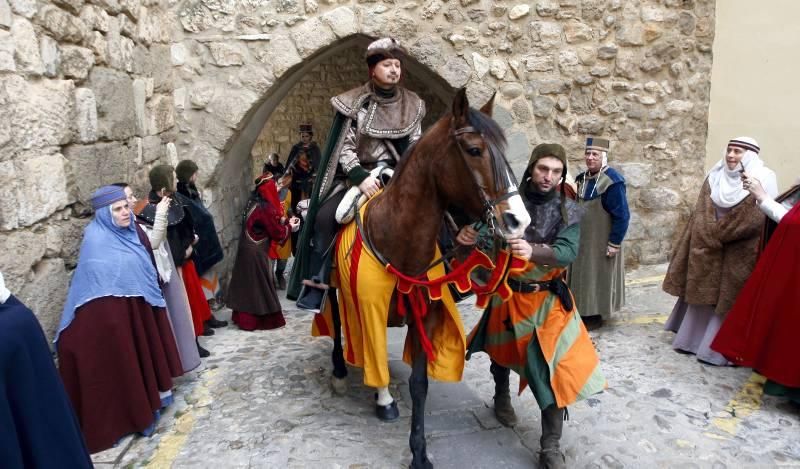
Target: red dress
251 293
760 330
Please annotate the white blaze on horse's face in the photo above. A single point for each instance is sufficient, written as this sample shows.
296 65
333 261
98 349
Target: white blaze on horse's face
511 213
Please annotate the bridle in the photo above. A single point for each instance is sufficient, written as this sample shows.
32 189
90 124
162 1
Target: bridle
489 204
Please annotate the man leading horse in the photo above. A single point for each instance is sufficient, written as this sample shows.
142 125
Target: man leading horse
538 333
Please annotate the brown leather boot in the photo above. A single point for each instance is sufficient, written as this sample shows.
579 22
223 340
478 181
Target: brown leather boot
502 397
550 455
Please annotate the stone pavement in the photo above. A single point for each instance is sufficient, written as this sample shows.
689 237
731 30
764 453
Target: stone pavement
263 399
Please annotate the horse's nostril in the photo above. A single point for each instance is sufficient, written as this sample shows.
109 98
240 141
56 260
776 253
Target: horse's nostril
510 220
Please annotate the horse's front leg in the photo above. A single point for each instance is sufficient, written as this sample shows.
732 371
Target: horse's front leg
339 378
418 385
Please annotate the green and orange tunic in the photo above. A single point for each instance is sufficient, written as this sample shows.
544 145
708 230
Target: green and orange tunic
534 335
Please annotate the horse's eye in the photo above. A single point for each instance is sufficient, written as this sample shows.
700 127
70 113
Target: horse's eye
474 151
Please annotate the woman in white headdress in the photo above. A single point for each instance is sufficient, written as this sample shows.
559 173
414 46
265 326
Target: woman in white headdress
717 251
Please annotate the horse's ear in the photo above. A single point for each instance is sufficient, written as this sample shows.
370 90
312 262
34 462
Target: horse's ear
460 106
487 108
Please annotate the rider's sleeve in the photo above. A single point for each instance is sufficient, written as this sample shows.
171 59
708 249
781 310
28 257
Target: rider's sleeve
348 158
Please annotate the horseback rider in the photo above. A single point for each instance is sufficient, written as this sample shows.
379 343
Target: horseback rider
374 125
540 319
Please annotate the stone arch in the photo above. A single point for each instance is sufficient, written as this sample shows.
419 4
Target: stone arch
227 173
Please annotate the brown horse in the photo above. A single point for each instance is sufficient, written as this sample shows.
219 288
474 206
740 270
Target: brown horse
458 162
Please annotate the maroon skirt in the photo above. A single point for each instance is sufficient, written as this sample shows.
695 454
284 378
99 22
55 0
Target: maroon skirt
114 358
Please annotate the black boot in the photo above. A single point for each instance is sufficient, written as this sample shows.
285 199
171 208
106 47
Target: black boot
592 323
203 352
216 323
502 397
550 455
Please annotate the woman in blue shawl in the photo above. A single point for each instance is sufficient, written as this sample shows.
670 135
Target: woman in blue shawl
116 350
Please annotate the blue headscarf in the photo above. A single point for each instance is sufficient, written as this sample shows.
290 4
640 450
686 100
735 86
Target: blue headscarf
112 262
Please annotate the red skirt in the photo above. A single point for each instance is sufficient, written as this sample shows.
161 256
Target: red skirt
114 358
201 312
251 322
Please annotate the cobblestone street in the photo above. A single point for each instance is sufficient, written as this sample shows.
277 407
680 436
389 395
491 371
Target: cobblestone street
263 400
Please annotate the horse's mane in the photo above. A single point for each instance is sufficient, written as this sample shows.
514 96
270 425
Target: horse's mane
436 136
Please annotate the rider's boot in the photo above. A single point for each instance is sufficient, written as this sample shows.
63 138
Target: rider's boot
550 455
502 396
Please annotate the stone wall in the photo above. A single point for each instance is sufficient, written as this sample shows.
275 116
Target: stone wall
84 101
95 91
309 101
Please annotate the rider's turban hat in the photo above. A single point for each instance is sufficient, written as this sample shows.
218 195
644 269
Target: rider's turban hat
384 48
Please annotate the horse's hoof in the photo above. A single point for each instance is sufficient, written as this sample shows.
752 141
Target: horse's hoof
339 385
388 412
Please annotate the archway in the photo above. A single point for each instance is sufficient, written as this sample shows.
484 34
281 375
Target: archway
265 128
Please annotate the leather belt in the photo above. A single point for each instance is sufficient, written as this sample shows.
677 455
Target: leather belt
555 286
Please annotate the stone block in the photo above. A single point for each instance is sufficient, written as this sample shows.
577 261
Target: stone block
226 54
28 248
201 95
661 225
630 34
543 106
518 11
576 32
24 8
636 174
659 198
8 202
63 26
311 36
26 48
97 43
152 149
591 125
46 292
85 116
160 114
139 99
163 74
153 27
113 7
480 64
231 105
76 62
498 68
50 54
257 78
115 105
69 234
539 62
93 166
519 150
456 71
568 62
551 86
282 55
7 52
41 186
40 113
546 34
95 18
178 54
5 14
342 21
546 8
635 228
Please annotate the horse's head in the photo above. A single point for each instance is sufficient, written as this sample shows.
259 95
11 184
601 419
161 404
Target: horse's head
478 178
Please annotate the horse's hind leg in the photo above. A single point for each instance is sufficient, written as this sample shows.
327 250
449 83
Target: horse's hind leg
339 378
418 385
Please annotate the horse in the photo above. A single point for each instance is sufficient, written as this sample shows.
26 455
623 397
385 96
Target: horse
458 162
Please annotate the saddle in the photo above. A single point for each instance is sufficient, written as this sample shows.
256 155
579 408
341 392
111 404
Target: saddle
354 198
